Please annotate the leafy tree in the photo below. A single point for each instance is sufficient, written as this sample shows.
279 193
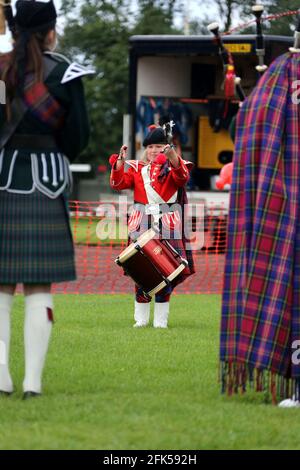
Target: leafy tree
97 34
283 26
228 10
98 37
156 17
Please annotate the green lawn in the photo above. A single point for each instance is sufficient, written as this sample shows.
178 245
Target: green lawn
109 386
84 232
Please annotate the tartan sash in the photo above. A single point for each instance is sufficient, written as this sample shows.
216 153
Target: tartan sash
261 293
38 100
42 104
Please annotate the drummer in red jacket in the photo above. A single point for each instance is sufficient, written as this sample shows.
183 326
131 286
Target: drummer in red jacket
158 181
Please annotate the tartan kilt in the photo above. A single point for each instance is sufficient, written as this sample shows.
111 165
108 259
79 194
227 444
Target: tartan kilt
36 245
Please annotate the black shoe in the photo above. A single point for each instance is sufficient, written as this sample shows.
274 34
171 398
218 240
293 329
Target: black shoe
27 395
5 394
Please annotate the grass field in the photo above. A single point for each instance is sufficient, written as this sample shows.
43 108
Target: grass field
84 232
109 386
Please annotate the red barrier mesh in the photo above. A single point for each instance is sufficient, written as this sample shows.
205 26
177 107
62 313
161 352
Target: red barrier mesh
97 272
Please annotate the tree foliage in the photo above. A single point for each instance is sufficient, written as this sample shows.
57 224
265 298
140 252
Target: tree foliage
239 11
282 26
97 34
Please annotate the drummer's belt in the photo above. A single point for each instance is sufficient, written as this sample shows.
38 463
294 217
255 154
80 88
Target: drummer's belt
167 214
154 209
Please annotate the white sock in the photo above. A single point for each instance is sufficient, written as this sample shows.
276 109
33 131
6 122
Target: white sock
161 314
37 330
6 300
141 313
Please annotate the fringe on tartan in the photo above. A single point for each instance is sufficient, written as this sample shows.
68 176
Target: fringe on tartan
236 377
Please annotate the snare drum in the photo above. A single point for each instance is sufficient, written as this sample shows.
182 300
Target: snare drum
151 263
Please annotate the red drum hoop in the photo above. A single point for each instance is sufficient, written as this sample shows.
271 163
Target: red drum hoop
152 263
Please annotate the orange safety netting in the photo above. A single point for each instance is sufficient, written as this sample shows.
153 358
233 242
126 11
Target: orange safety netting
97 272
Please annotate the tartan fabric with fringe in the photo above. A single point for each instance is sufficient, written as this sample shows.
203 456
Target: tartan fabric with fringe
260 323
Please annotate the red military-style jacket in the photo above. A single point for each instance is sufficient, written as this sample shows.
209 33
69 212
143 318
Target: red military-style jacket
148 190
143 179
